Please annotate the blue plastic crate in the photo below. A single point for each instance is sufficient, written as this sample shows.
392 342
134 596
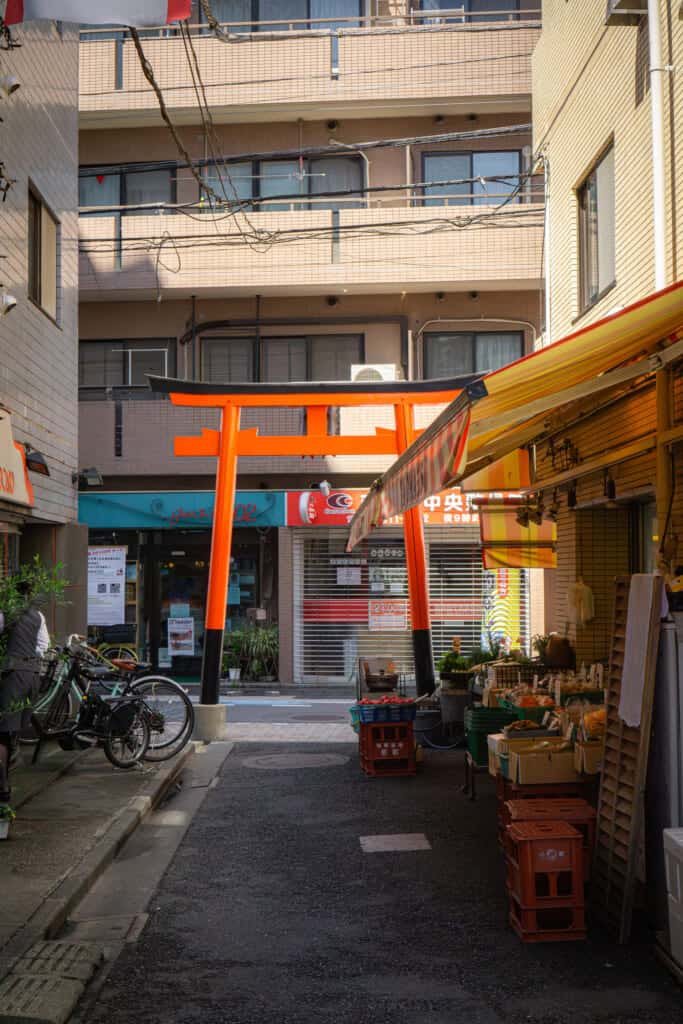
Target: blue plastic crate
386 712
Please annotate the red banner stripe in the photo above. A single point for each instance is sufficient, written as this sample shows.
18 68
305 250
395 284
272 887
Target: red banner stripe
179 10
14 12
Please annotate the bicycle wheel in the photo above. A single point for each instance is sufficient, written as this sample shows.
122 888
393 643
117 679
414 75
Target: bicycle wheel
125 751
170 712
50 720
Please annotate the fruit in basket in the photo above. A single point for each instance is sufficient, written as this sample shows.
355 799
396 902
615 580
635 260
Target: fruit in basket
594 722
523 725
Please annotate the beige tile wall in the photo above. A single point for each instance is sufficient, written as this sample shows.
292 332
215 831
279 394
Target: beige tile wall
377 68
38 358
590 86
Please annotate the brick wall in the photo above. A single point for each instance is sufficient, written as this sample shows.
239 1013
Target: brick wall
38 358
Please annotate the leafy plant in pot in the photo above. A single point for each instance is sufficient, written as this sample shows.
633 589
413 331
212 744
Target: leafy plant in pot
455 670
7 816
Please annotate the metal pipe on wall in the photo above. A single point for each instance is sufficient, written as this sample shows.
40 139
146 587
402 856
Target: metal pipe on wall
657 71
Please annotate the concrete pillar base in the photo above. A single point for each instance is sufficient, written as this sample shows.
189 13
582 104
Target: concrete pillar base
209 722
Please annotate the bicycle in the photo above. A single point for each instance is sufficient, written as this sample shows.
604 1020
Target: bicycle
171 710
120 724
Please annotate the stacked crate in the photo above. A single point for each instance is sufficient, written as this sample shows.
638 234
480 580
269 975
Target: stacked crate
387 749
544 871
570 810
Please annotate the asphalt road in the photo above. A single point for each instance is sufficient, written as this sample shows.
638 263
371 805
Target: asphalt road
287 709
271 913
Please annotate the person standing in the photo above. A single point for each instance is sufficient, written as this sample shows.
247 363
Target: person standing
27 641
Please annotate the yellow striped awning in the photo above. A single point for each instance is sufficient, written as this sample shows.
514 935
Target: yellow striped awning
597 357
506 544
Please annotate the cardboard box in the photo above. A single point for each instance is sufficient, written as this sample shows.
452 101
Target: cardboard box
499 743
588 756
533 768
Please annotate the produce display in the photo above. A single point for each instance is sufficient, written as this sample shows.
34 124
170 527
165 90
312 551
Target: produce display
388 698
520 727
524 697
595 723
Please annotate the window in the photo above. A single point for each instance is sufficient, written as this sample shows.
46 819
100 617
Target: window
266 12
454 167
228 360
285 179
232 181
43 239
122 364
129 188
478 11
596 232
300 357
452 355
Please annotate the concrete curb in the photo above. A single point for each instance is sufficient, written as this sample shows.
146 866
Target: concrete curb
38 783
48 920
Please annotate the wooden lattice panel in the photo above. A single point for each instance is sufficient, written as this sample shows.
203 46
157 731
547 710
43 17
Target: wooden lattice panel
624 774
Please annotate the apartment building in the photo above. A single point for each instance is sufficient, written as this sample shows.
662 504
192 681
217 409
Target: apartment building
39 306
608 123
368 209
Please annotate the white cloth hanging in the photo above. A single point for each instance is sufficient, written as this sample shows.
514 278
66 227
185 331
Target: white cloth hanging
580 604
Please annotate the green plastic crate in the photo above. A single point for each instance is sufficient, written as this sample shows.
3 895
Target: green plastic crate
478 747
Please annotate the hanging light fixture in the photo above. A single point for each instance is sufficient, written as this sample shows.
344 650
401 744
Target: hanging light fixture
571 497
536 514
553 510
610 490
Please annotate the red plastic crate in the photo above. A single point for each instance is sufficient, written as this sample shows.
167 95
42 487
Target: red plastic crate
572 810
547 924
387 748
544 864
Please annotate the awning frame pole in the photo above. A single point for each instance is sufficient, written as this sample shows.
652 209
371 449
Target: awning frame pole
416 563
219 564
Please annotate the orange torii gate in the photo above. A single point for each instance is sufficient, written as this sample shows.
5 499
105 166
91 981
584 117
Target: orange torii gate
229 442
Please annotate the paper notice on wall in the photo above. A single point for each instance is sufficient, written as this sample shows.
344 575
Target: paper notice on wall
387 615
106 586
348 576
181 636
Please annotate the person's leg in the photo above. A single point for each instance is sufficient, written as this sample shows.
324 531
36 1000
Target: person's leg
5 745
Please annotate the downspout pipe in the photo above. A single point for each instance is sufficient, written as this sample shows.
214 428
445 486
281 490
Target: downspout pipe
657 71
546 251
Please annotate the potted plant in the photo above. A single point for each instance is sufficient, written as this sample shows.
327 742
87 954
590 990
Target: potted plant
231 666
7 816
260 650
455 670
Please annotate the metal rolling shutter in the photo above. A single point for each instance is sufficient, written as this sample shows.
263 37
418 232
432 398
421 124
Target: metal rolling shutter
331 621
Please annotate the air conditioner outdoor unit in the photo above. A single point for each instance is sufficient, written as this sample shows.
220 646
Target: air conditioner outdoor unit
366 373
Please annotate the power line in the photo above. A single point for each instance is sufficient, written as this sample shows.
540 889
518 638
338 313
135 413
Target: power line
308 151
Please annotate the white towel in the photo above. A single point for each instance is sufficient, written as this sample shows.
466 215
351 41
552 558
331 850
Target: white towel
640 597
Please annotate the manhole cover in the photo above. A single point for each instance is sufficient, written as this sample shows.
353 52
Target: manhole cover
318 718
280 762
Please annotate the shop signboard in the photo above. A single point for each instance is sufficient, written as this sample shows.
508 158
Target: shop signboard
106 586
387 615
176 510
313 508
181 636
15 486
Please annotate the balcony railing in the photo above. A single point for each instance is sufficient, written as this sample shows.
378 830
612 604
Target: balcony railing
311 250
416 54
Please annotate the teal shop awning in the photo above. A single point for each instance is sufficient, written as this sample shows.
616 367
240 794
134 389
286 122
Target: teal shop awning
176 510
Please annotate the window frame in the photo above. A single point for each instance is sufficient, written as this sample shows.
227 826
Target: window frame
587 297
305 24
169 349
124 169
295 202
473 337
37 208
257 347
469 200
473 17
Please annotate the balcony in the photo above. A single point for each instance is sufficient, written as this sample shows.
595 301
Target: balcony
311 252
460 64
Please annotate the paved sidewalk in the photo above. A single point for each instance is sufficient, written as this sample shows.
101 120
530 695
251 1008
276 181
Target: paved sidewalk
74 811
288 732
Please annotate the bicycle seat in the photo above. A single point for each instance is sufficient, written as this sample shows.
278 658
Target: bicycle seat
98 672
125 664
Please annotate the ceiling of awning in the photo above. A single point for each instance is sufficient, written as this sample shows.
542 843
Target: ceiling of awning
589 362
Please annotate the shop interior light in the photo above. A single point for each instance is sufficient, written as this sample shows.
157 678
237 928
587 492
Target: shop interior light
553 510
610 490
536 514
35 460
522 517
